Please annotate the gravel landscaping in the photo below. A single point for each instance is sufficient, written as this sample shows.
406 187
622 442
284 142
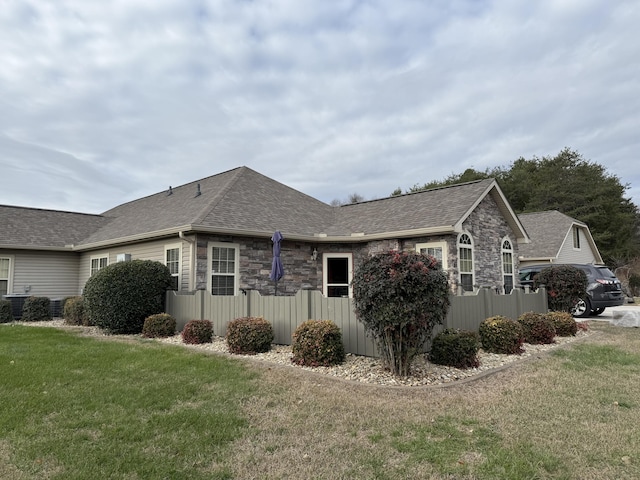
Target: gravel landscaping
357 368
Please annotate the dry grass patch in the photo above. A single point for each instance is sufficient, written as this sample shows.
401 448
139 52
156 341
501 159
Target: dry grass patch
568 415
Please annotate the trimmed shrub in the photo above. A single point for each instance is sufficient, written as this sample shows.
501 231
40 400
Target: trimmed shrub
120 296
317 343
565 284
582 326
36 309
455 348
249 335
159 325
565 324
400 297
501 335
537 328
74 312
6 312
197 331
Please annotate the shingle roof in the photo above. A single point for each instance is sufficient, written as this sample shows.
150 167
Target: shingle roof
242 201
237 200
548 231
440 207
34 227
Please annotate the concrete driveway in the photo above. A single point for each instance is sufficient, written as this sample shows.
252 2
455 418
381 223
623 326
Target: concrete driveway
626 310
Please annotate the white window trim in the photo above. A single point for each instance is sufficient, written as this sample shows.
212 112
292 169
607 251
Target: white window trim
442 245
236 274
513 267
174 246
575 238
10 273
96 257
473 259
325 258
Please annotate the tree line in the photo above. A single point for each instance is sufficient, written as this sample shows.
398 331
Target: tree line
572 185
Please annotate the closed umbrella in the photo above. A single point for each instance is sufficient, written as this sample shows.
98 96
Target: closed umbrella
277 271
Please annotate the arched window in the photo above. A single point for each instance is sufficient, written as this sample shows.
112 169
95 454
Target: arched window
465 261
507 265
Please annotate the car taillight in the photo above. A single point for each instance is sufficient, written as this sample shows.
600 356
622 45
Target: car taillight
605 282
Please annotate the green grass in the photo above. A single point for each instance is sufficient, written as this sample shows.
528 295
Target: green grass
77 408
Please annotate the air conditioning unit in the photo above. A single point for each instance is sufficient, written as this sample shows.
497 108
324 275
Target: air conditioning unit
123 257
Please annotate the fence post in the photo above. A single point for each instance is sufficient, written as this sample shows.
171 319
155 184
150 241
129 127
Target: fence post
488 304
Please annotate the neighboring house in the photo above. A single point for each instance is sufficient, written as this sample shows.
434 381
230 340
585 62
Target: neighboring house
214 234
557 238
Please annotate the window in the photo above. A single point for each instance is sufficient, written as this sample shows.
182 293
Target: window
172 259
507 265
438 250
576 238
223 262
337 273
98 263
5 276
465 262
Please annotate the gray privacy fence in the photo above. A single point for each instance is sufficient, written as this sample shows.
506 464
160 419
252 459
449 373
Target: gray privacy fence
285 313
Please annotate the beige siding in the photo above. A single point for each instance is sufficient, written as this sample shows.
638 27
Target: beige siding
568 254
46 274
141 251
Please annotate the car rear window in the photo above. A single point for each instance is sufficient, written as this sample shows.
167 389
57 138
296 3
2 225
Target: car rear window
605 272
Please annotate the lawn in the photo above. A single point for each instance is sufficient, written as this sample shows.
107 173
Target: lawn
76 407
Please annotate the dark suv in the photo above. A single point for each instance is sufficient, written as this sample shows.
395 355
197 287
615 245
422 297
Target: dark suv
603 288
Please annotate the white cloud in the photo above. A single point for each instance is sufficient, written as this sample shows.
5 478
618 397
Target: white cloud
328 97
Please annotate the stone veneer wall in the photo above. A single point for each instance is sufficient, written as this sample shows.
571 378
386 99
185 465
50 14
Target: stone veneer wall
485 225
488 229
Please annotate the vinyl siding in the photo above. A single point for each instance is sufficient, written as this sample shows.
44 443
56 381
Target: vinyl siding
48 274
568 254
142 251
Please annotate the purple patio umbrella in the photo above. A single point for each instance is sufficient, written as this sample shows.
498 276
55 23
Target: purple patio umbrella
277 271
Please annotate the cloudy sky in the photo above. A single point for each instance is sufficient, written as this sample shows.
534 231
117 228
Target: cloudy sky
103 102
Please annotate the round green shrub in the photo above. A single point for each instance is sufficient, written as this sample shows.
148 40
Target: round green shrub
120 296
565 324
501 335
249 335
159 325
565 284
197 331
6 311
537 328
36 309
317 343
400 297
74 312
455 348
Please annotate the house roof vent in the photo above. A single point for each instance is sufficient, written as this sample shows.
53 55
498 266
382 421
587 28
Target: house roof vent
198 192
170 192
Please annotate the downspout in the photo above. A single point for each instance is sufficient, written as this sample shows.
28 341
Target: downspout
192 261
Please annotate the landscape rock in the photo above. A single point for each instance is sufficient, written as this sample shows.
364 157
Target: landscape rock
626 318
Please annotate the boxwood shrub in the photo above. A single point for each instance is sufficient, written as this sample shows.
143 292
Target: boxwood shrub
6 311
36 309
537 328
249 335
317 343
565 324
74 312
455 348
159 325
120 296
501 334
197 331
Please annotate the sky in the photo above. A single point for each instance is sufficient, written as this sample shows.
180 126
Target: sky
104 102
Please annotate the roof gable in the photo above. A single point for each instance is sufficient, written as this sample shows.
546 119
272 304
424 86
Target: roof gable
549 230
